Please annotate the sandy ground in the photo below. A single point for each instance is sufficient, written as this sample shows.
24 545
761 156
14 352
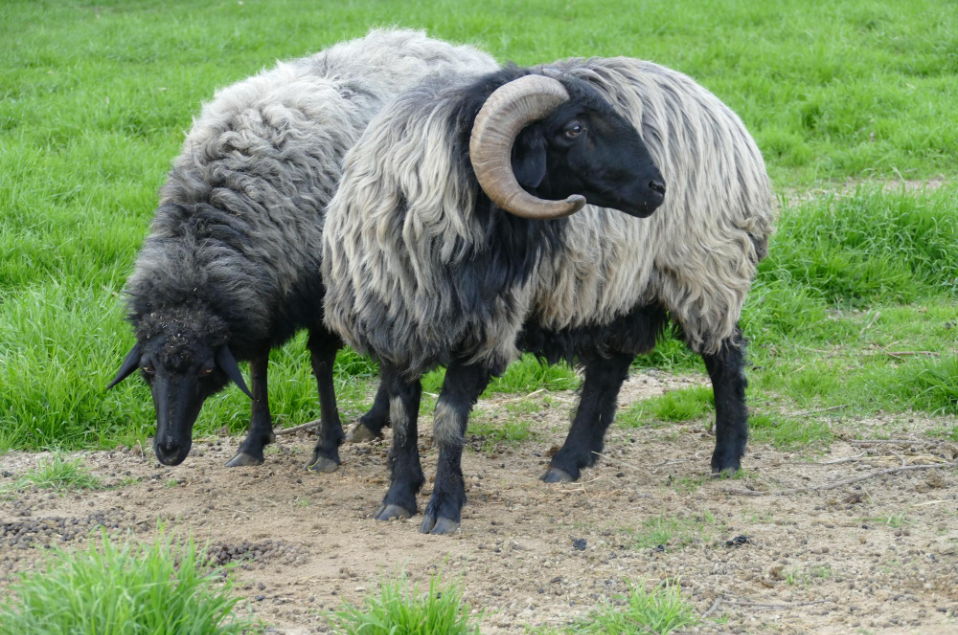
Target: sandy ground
879 556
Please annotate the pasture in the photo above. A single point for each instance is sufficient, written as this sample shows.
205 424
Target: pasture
853 323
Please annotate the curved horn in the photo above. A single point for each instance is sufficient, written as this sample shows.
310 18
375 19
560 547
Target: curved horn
130 364
227 363
507 111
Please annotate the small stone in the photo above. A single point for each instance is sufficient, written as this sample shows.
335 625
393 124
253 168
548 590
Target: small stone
852 498
579 544
935 480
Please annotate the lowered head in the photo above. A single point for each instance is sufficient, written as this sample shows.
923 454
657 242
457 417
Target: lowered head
184 357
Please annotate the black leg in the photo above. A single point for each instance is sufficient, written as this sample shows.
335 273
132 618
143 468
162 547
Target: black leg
371 424
322 349
405 470
261 423
603 379
460 390
727 371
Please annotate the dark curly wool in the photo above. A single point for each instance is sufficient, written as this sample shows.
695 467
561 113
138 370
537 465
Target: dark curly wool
239 227
186 329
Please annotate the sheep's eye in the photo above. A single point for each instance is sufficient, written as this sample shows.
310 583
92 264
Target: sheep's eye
148 370
573 130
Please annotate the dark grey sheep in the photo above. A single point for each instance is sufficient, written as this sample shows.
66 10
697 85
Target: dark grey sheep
231 268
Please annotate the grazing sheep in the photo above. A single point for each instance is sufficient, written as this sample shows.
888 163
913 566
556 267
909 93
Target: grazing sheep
438 249
231 268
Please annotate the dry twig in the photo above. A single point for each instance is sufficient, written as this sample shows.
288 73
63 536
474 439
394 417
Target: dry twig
847 459
715 606
531 394
870 441
837 484
619 462
761 605
900 354
295 429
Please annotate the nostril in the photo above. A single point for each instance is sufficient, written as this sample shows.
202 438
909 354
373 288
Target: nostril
657 186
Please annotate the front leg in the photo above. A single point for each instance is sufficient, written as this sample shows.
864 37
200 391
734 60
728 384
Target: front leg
323 347
597 404
460 391
261 423
406 476
727 371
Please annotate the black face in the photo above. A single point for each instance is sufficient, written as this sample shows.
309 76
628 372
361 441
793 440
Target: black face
178 396
180 384
585 147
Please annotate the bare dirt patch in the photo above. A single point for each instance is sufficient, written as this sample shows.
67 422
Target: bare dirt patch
880 556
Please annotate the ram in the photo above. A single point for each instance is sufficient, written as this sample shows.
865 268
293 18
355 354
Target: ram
456 238
231 268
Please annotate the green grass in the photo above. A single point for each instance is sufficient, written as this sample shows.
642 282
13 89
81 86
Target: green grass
868 248
60 475
400 608
493 433
658 611
674 532
790 433
677 405
116 588
692 482
94 98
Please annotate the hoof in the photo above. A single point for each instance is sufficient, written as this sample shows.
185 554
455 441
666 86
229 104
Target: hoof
242 459
359 433
322 465
389 512
440 527
555 475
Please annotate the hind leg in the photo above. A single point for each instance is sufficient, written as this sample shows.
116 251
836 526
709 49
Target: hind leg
597 405
323 346
261 423
727 372
371 424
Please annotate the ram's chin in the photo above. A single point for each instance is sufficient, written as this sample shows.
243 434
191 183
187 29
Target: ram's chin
643 211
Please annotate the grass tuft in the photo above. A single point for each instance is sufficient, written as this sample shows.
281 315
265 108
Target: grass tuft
491 433
674 531
401 609
116 588
873 246
931 386
789 433
60 475
659 611
684 404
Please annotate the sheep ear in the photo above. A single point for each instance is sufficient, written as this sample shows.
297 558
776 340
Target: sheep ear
529 159
130 364
226 361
